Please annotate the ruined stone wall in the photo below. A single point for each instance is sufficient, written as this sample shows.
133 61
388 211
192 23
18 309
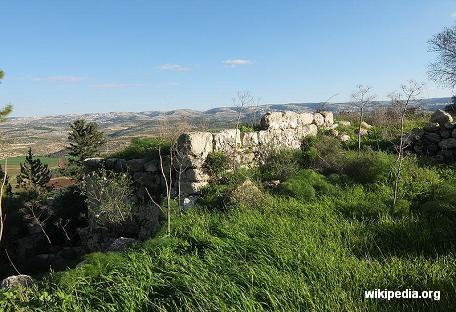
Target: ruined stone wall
279 130
437 139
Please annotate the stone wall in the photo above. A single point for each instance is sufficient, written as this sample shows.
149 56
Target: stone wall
436 139
278 130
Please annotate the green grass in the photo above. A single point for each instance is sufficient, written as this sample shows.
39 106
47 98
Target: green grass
291 253
144 148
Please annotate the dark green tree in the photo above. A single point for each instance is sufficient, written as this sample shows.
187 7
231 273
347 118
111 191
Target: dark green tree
34 174
85 141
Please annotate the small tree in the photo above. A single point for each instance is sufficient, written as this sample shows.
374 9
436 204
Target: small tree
85 141
361 99
34 174
443 69
404 100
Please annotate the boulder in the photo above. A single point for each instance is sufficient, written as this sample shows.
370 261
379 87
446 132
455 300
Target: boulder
121 244
93 163
195 146
453 133
447 143
270 137
334 133
227 140
271 120
319 119
110 163
194 174
135 165
17 281
344 123
192 187
344 137
361 131
120 165
365 125
246 193
441 117
308 130
444 133
152 166
329 118
432 137
189 202
449 125
432 127
305 119
289 120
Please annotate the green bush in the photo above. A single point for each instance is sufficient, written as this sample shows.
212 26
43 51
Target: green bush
307 185
368 167
279 164
217 163
323 153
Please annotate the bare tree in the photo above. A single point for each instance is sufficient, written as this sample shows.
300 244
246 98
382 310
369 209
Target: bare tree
323 104
242 100
443 69
403 100
361 99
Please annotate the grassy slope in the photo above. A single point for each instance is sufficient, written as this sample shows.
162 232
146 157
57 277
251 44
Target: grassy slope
285 255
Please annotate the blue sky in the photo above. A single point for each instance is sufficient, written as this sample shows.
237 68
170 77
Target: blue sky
111 55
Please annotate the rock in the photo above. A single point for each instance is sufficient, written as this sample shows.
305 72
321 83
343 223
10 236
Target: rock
249 139
344 137
319 119
271 137
441 117
271 120
365 125
110 163
17 281
448 143
432 137
189 202
432 127
152 166
121 165
305 119
445 134
246 192
329 118
416 134
306 131
334 132
344 123
93 163
196 146
227 140
450 125
271 184
453 133
135 165
121 244
418 149
289 120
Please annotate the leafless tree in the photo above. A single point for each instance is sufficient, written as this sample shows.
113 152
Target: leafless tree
443 69
323 104
37 214
403 100
361 99
242 100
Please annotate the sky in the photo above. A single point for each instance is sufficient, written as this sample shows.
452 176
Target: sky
139 55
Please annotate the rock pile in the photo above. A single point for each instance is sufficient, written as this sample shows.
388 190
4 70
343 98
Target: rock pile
437 139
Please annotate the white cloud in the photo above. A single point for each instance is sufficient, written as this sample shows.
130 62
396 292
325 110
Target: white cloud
236 62
175 67
117 85
60 78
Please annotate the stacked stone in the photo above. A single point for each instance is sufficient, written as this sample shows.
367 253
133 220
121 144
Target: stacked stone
279 130
437 139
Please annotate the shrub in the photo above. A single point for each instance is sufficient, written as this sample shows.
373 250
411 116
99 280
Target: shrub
323 153
109 198
369 167
144 148
440 201
217 163
279 164
307 185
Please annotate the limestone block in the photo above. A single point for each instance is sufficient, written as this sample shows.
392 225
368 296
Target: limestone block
319 119
249 139
226 140
305 119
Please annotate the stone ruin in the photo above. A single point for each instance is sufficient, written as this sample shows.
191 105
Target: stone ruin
437 139
278 130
